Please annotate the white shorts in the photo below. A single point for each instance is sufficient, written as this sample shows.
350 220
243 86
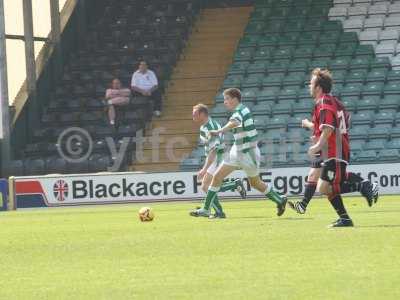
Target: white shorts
249 161
213 167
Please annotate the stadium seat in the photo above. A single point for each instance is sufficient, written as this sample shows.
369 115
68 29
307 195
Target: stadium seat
375 144
368 103
366 156
358 133
384 118
252 81
238 68
389 155
362 118
267 95
378 133
389 102
372 88
262 108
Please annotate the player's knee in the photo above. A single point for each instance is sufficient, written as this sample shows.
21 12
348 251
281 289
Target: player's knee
204 188
314 175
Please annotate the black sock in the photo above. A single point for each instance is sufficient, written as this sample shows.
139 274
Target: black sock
352 183
337 203
309 192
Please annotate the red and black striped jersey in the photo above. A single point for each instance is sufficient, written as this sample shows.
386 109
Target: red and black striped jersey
330 112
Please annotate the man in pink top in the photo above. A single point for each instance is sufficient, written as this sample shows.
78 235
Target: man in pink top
116 95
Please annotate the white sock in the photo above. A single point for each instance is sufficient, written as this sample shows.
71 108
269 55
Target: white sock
112 122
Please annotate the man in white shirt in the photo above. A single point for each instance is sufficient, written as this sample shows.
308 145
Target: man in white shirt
144 83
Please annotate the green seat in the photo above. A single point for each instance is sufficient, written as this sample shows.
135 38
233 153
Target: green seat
279 66
277 122
356 76
260 14
263 53
362 118
393 75
262 108
304 93
264 4
300 65
369 103
260 123
366 156
395 132
384 118
268 95
252 80
274 27
393 144
295 25
304 106
380 62
376 75
249 41
249 94
378 133
373 88
337 89
243 55
258 67
283 53
303 52
347 49
288 40
358 133
319 11
274 80
327 51
318 63
219 98
238 68
389 155
334 26
308 38
219 110
268 40
288 93
295 122
341 63
375 144
350 103
233 81
255 28
282 108
339 76
348 37
364 50
352 89
362 62
331 37
314 25
390 102
293 80
392 88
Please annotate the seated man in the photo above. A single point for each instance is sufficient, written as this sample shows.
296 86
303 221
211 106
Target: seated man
116 95
144 83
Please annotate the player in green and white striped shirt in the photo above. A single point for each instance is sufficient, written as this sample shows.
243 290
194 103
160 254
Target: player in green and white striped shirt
244 154
214 150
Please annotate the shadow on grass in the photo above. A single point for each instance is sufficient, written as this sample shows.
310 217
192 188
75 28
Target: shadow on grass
372 211
268 217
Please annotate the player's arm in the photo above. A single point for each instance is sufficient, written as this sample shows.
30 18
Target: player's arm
233 123
323 140
327 127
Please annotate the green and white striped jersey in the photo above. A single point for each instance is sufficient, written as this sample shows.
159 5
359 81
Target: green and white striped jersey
245 134
211 142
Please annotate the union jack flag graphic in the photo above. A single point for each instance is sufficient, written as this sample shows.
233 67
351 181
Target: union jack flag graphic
60 190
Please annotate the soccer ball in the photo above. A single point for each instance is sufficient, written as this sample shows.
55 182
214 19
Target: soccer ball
146 214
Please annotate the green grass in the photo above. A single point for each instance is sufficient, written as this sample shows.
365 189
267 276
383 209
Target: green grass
104 252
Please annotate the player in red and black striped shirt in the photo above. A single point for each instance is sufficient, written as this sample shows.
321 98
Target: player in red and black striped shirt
331 152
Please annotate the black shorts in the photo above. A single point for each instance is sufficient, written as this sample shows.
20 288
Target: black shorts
334 171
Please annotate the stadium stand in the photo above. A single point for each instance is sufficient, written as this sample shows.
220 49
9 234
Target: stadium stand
285 40
126 32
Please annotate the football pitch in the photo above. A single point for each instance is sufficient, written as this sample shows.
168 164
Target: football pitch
105 252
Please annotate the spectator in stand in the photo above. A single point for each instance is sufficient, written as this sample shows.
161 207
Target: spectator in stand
116 95
144 83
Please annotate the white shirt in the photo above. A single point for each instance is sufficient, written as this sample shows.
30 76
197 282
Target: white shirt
144 81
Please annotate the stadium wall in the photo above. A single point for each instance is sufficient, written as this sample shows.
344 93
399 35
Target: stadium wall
107 188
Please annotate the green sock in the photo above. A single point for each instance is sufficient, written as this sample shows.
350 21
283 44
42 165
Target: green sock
217 205
211 194
227 186
274 196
